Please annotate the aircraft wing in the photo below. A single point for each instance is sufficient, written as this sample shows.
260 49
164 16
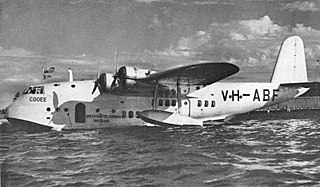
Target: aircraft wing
196 74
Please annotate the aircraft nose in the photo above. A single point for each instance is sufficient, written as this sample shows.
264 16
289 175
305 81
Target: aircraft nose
13 110
9 111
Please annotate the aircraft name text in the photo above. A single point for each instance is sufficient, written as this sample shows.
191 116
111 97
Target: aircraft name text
38 99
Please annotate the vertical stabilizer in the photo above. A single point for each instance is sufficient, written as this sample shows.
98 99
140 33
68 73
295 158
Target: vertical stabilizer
291 63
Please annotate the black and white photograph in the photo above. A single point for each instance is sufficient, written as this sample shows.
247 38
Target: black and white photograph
159 93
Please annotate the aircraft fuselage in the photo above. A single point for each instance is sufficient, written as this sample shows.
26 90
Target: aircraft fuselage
70 105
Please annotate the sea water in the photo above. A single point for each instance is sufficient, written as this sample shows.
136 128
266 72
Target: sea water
250 152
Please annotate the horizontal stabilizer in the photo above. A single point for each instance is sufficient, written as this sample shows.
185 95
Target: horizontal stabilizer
301 91
297 89
164 118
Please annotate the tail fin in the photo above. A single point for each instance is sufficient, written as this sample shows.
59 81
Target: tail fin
291 63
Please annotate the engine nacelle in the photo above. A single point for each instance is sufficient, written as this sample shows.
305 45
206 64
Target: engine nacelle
128 75
105 82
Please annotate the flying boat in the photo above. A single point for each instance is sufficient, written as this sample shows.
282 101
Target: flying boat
186 95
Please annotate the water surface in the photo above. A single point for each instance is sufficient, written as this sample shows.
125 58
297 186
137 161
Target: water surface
251 152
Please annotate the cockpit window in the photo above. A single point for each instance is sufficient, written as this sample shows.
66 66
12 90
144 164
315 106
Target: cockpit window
34 90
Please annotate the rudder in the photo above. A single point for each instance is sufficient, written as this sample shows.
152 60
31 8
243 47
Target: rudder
291 63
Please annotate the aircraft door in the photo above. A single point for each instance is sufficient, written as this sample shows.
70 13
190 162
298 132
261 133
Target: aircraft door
80 113
185 107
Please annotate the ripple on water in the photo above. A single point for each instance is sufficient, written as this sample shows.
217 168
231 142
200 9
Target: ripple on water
269 152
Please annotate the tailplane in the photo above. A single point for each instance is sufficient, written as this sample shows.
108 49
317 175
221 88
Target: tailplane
291 63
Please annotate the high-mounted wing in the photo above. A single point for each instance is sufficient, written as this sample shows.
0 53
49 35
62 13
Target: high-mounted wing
140 81
196 74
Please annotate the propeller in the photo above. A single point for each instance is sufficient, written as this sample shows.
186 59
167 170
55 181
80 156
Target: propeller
96 85
96 82
119 78
115 82
100 83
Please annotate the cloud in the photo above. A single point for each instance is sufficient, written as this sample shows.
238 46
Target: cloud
147 1
254 42
155 22
312 53
205 3
76 2
227 35
22 79
16 52
300 29
187 45
260 28
241 30
302 6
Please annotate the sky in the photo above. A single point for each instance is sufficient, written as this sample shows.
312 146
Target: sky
152 34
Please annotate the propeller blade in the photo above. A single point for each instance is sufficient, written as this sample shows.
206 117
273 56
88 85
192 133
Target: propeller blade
113 84
55 100
98 71
94 88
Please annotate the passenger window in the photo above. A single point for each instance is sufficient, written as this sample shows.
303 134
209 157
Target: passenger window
199 103
160 102
213 103
206 103
124 114
173 102
137 114
130 114
167 102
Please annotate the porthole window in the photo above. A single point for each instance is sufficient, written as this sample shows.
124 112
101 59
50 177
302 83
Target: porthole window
130 114
206 103
173 102
137 114
57 109
113 111
66 109
97 110
167 102
199 103
124 114
160 102
73 86
185 103
48 109
213 103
